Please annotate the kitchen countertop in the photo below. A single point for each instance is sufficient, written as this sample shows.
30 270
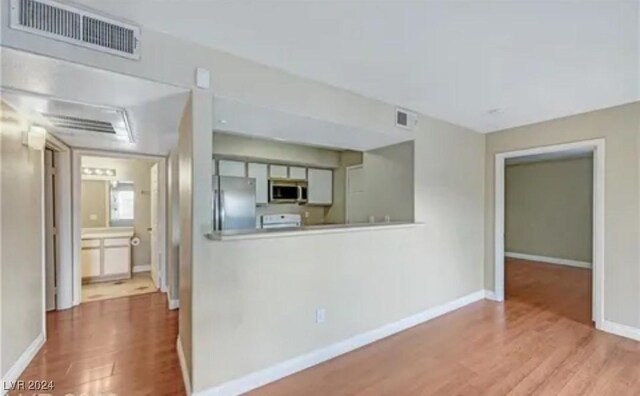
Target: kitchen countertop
305 230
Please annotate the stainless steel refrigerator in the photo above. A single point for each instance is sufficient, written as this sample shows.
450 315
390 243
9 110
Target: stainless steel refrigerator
234 203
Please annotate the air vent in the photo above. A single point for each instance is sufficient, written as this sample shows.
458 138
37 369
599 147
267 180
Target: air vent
406 119
82 124
59 21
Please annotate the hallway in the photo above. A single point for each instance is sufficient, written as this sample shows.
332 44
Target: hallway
123 346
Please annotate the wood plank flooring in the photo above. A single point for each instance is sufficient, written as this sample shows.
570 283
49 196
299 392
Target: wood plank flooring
124 346
527 346
522 347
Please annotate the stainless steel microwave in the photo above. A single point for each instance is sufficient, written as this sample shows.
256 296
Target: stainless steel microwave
286 191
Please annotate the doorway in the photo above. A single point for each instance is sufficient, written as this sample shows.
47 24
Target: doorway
597 148
121 224
355 211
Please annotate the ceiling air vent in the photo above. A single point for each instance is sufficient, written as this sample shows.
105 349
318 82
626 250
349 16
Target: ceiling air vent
83 124
59 21
406 119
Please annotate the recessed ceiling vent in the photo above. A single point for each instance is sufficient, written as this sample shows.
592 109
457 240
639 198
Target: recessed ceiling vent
406 119
59 21
61 121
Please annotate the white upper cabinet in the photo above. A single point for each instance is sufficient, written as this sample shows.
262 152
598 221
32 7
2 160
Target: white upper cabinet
297 173
260 173
320 184
278 172
231 168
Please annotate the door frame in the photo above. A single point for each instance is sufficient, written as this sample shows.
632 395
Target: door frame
347 178
76 172
598 260
64 229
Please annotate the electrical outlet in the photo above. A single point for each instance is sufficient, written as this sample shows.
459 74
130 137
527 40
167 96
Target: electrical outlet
320 315
306 215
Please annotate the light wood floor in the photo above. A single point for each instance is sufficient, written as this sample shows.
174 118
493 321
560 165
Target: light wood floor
119 347
127 346
526 346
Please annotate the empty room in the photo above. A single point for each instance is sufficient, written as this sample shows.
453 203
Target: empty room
351 197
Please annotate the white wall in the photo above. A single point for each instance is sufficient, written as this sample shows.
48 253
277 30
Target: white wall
620 127
139 172
21 228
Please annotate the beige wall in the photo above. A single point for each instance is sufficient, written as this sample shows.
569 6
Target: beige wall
21 226
228 145
389 182
620 127
249 302
548 208
94 203
185 184
137 171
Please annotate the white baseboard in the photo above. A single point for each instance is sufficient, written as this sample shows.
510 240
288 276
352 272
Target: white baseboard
142 268
620 330
550 260
490 295
173 304
21 364
183 367
286 368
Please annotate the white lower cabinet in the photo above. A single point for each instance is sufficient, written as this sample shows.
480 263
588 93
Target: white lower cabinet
91 266
106 259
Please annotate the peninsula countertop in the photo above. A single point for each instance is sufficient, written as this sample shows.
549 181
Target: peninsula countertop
305 230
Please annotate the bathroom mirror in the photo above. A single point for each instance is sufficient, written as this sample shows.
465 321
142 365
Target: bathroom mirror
107 203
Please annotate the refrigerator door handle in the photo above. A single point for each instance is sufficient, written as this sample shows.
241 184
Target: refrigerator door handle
216 214
221 210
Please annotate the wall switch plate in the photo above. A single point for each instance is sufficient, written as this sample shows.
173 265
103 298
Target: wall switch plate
306 215
320 315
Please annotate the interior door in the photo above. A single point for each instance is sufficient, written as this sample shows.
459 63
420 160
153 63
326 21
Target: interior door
355 209
153 232
50 231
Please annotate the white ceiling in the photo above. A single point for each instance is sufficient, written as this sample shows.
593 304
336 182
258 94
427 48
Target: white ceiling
153 109
455 60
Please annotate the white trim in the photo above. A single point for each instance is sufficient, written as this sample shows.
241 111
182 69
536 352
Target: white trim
173 304
76 182
549 260
620 330
489 295
141 268
21 364
183 366
288 367
598 147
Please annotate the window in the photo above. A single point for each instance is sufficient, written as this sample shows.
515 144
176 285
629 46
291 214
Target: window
121 202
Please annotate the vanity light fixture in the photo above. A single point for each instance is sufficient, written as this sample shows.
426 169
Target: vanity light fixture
98 171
